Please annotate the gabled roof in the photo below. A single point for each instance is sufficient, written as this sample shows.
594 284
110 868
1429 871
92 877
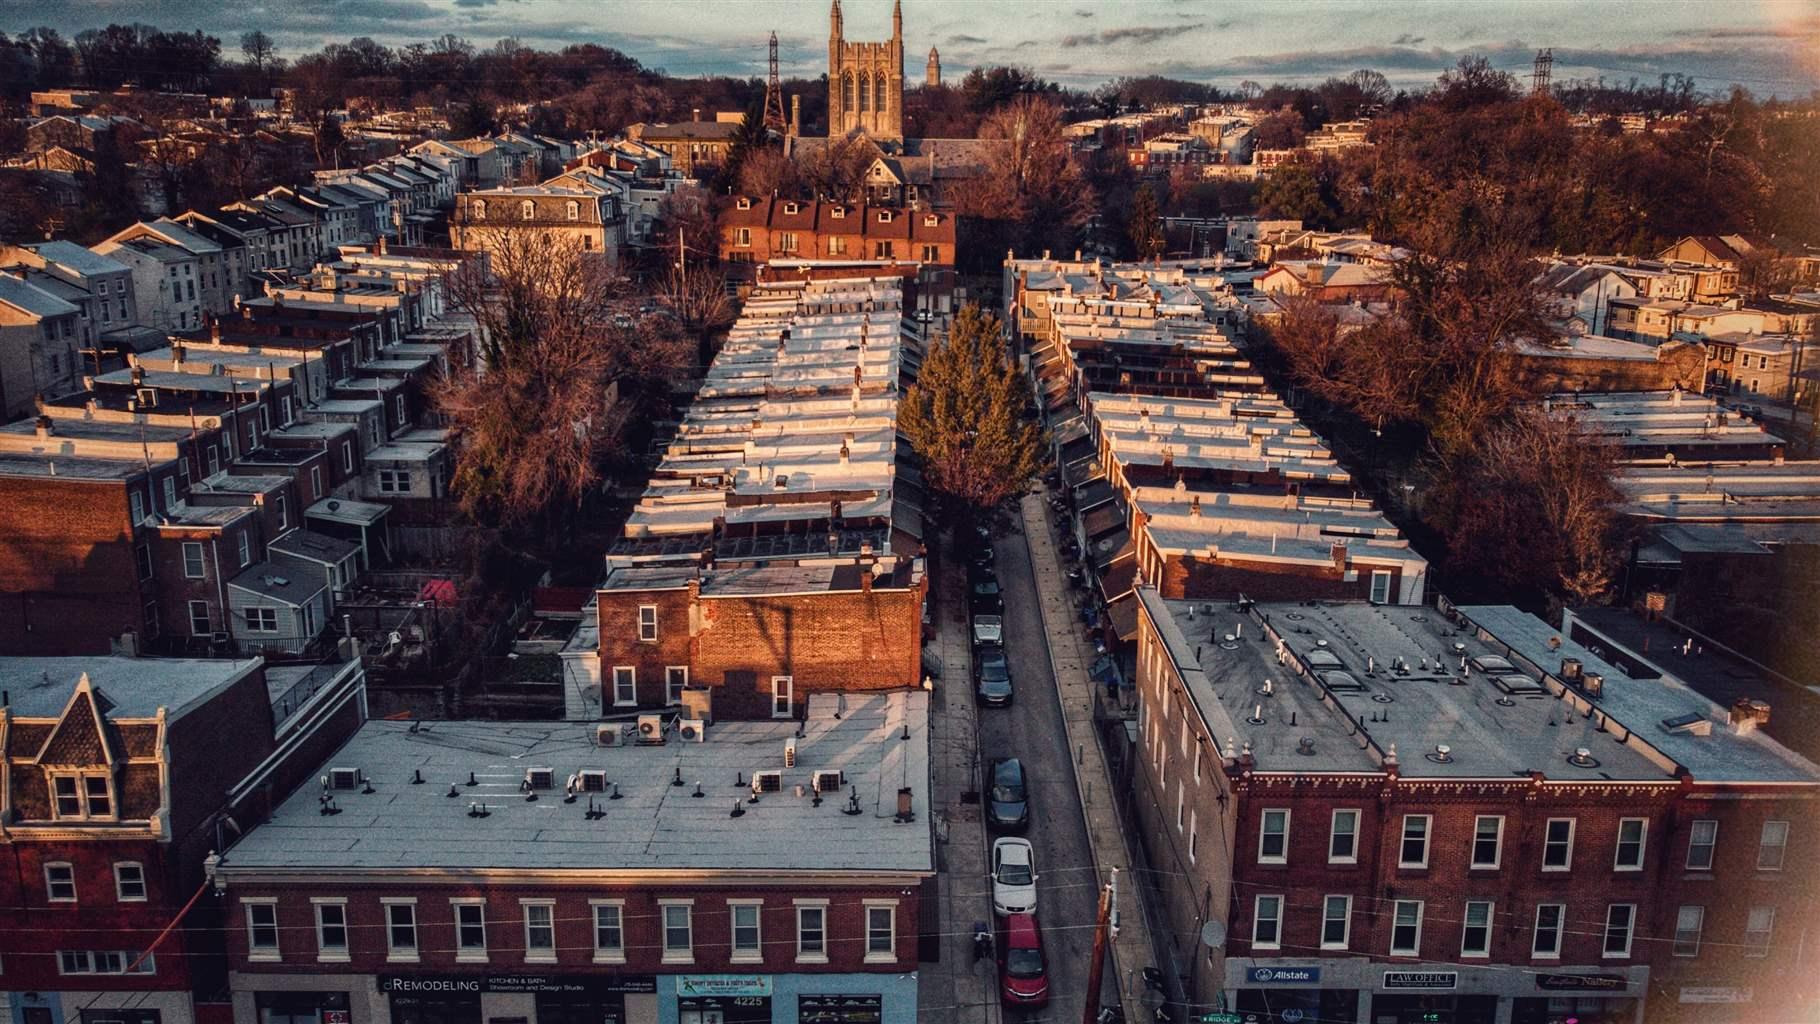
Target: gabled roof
30 298
86 262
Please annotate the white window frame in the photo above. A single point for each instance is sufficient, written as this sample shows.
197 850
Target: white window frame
326 953
464 953
1759 949
1699 925
84 796
1327 917
1181 806
539 954
1780 846
615 954
254 951
50 884
1573 825
1333 832
803 954
1275 901
1403 840
672 955
738 954
889 954
631 679
1416 948
1380 576
1630 931
1710 846
394 952
647 623
260 619
783 699
1194 836
1617 856
672 689
1497 853
1466 925
1559 929
208 616
120 881
1265 833
202 565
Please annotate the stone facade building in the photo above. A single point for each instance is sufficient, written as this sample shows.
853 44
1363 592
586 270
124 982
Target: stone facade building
866 80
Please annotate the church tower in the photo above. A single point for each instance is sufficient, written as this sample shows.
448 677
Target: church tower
934 76
866 80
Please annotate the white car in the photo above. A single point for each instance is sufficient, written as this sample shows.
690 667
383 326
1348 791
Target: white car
988 629
1013 876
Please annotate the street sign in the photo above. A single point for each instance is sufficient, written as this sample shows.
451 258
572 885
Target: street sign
1220 1018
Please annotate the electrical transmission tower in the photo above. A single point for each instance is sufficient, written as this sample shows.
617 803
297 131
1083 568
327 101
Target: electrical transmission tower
774 94
1545 65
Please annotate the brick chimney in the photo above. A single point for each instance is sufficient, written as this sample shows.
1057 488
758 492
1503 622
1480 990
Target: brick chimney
1745 715
1338 552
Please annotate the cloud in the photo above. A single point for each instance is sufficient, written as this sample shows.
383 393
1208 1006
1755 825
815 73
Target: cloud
1139 34
1403 40
964 40
1083 14
475 3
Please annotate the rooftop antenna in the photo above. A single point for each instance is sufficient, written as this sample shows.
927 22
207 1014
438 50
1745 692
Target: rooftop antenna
774 95
1544 67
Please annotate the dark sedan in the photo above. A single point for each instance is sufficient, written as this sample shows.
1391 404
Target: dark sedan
1007 798
992 676
986 598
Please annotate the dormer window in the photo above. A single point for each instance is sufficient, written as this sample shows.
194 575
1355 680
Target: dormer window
82 796
884 216
574 210
743 204
931 221
838 213
791 208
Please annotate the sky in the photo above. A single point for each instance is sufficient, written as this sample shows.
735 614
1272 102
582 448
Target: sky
1769 46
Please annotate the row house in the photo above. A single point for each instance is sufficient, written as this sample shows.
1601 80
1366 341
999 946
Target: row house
604 892
641 198
214 277
463 165
1328 281
40 342
1461 814
116 789
582 214
108 282
166 281
767 229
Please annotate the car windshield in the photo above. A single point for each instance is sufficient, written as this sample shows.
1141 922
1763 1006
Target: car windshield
1024 963
994 672
986 589
987 621
1007 794
1014 874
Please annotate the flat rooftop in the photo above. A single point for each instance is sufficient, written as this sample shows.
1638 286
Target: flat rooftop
136 687
1645 419
1238 433
654 826
1723 492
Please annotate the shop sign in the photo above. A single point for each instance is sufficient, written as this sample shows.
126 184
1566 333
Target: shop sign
1421 979
840 1009
1283 975
335 1017
1582 982
1715 994
723 984
551 984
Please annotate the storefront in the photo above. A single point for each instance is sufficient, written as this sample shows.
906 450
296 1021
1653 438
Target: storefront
512 998
1577 999
1429 997
288 1007
1356 990
792 999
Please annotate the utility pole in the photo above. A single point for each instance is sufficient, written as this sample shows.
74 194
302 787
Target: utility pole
1104 925
774 94
1545 64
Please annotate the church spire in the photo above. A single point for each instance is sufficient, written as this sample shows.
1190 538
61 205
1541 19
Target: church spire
897 19
834 19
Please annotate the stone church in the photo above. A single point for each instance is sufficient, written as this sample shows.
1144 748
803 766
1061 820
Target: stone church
866 80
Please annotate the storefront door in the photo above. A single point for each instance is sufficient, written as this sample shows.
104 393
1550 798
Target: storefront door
301 1007
581 1008
724 1009
1433 1009
1298 1005
1574 1010
436 1008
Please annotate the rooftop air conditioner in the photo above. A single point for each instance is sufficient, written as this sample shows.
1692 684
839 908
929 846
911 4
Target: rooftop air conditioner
650 729
694 729
611 735
827 781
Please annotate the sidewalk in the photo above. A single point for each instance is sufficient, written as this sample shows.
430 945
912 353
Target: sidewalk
1072 656
957 988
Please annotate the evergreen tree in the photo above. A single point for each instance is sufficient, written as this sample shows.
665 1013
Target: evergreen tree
968 418
1146 226
751 138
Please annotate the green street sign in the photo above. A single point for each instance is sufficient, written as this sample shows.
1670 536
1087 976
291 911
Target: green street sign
1220 1018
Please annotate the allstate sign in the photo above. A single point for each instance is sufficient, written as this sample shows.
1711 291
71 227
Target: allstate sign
1283 975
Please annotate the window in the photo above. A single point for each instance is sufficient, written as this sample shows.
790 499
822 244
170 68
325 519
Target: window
347 456
747 945
261 929
200 624
245 544
742 236
193 567
1475 938
1267 923
214 460
1701 838
394 481
60 883
1273 837
401 929
1336 922
679 933
1380 586
284 512
527 210
1406 928
1414 851
572 210
1558 844
837 245
1758 928
82 796
932 254
647 622
1688 921
1181 804
882 251
625 685
786 241
129 882
1771 846
1343 838
676 680
881 932
1631 835
540 929
1487 840
105 961
262 620
783 699
331 929
812 932
1547 941
1194 836
316 481
470 929
135 507
609 931
1618 920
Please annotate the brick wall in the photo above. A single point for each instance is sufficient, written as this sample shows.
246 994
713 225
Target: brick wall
68 582
1266 581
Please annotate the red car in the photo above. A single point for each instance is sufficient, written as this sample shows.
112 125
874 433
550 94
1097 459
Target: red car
1023 971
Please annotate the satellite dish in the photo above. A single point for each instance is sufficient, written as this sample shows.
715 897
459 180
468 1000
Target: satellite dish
1213 934
334 506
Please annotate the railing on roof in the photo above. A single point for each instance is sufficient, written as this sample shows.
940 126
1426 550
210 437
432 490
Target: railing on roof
315 681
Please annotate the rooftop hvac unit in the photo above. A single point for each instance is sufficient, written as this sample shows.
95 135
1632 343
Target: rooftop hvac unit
827 782
610 735
694 729
344 778
593 780
540 778
650 729
790 752
769 781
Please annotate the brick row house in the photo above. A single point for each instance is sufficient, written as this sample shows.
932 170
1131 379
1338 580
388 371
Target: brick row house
766 229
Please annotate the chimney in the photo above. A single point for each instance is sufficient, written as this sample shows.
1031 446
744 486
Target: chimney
1338 552
796 114
1194 506
1168 460
379 245
695 114
1746 715
45 427
844 453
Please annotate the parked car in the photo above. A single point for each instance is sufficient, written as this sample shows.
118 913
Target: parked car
988 630
1023 970
992 676
982 554
986 598
981 572
1007 798
1013 876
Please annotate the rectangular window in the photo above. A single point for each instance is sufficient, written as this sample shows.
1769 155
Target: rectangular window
262 930
1267 923
98 795
170 492
1771 846
470 930
401 931
1632 833
679 933
931 254
193 567
144 553
245 545
129 882
1380 586
747 945
1413 853
540 929
316 482
284 512
1702 836
742 236
60 883
811 932
68 792
1336 922
783 697
1758 928
1688 921
676 679
1487 840
609 932
786 241
331 929
394 481
1343 839
1475 938
1181 806
347 456
881 932
135 507
1273 837
1194 836
1619 917
262 620
1406 929
625 685
647 622
1547 942
1558 845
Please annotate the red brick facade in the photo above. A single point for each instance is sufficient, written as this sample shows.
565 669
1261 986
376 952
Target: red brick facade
67 560
761 230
